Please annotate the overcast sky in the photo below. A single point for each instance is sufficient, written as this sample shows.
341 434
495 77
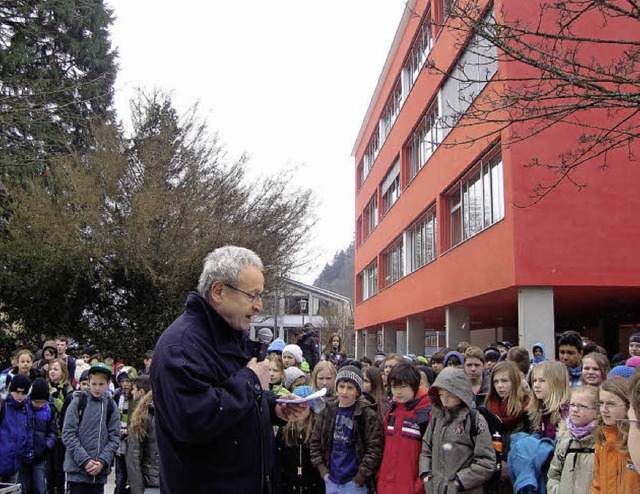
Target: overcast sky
286 81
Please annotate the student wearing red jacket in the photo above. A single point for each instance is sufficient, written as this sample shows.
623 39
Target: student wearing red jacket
404 426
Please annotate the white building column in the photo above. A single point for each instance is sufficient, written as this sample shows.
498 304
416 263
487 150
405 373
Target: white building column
457 325
371 342
401 342
415 336
389 343
536 323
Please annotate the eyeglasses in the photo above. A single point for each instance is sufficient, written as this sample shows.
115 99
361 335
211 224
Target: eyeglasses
627 421
607 405
580 407
253 297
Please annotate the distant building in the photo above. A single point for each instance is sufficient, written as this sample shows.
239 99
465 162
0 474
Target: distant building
442 252
295 304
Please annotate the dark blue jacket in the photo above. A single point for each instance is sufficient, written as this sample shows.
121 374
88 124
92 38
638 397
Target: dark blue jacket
45 430
212 417
16 436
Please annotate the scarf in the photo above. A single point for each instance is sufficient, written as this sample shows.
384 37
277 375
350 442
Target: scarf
580 431
499 408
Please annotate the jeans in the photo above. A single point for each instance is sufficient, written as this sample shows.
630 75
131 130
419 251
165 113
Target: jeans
348 488
81 488
122 479
34 477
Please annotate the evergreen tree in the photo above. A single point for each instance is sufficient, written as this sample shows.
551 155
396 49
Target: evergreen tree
57 71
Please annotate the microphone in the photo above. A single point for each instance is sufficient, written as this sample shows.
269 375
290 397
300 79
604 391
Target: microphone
265 336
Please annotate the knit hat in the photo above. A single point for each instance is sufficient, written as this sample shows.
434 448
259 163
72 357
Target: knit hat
303 392
20 382
127 372
39 389
634 338
294 350
621 371
350 374
277 345
290 375
491 355
452 354
51 345
633 362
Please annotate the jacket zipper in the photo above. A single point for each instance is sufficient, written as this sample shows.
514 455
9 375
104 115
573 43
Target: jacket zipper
99 431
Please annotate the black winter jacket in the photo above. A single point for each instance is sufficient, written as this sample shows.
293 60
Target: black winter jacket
212 416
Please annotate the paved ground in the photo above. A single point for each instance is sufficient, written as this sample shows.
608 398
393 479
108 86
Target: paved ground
111 483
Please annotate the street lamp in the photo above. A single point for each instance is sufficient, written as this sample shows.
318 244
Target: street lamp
303 308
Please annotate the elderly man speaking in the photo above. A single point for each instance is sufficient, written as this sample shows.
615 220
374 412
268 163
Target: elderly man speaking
213 411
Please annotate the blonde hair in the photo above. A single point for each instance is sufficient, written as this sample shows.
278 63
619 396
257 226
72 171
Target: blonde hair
63 368
305 426
320 366
138 424
618 386
557 378
519 396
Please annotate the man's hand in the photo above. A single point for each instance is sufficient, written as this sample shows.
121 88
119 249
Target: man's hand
261 370
291 411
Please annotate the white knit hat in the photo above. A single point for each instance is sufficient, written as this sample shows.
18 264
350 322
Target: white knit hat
294 350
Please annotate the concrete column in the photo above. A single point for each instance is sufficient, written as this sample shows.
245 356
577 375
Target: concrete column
401 342
415 336
535 319
457 325
389 343
360 339
371 342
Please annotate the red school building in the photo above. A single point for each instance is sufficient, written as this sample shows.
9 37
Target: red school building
445 249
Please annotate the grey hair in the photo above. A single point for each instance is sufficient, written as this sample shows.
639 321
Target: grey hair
224 264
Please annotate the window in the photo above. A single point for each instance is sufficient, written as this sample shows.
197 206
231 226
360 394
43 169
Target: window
370 215
422 240
424 141
419 52
391 187
390 111
370 281
477 201
359 236
360 175
471 73
370 154
393 262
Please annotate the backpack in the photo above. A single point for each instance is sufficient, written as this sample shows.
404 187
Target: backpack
82 404
491 486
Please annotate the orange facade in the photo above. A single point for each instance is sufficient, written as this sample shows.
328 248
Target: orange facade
583 242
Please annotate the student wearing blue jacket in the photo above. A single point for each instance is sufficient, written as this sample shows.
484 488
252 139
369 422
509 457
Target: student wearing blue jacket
33 472
16 436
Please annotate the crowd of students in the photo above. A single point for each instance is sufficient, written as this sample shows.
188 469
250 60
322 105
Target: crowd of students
65 422
497 420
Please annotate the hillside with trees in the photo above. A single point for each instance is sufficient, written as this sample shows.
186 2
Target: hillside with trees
338 275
